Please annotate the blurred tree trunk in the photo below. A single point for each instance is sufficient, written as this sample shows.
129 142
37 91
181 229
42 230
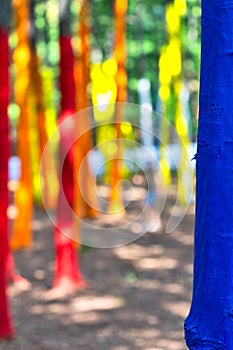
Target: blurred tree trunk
85 202
209 324
6 330
21 235
49 169
116 191
67 272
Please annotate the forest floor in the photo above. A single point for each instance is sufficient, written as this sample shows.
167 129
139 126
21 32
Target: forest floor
137 298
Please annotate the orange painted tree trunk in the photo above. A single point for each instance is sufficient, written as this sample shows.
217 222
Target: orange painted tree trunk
85 202
67 273
21 236
49 168
6 330
116 201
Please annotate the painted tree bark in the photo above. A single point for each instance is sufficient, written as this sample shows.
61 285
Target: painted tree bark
6 330
85 204
209 324
49 169
116 191
22 235
67 272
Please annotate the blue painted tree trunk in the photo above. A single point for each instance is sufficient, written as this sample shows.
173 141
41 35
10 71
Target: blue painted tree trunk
209 324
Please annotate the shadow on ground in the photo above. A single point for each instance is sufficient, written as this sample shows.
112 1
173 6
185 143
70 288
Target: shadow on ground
137 299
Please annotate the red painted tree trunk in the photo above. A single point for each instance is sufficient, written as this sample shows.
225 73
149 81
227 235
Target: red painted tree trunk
67 273
6 330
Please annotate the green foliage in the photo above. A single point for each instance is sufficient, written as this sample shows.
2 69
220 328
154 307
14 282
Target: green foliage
146 34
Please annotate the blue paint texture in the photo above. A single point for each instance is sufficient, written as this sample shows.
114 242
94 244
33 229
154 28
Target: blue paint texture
209 324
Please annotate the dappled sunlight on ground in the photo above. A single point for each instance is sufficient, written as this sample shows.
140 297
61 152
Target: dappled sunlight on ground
137 297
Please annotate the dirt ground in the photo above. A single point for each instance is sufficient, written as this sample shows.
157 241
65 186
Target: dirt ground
137 297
